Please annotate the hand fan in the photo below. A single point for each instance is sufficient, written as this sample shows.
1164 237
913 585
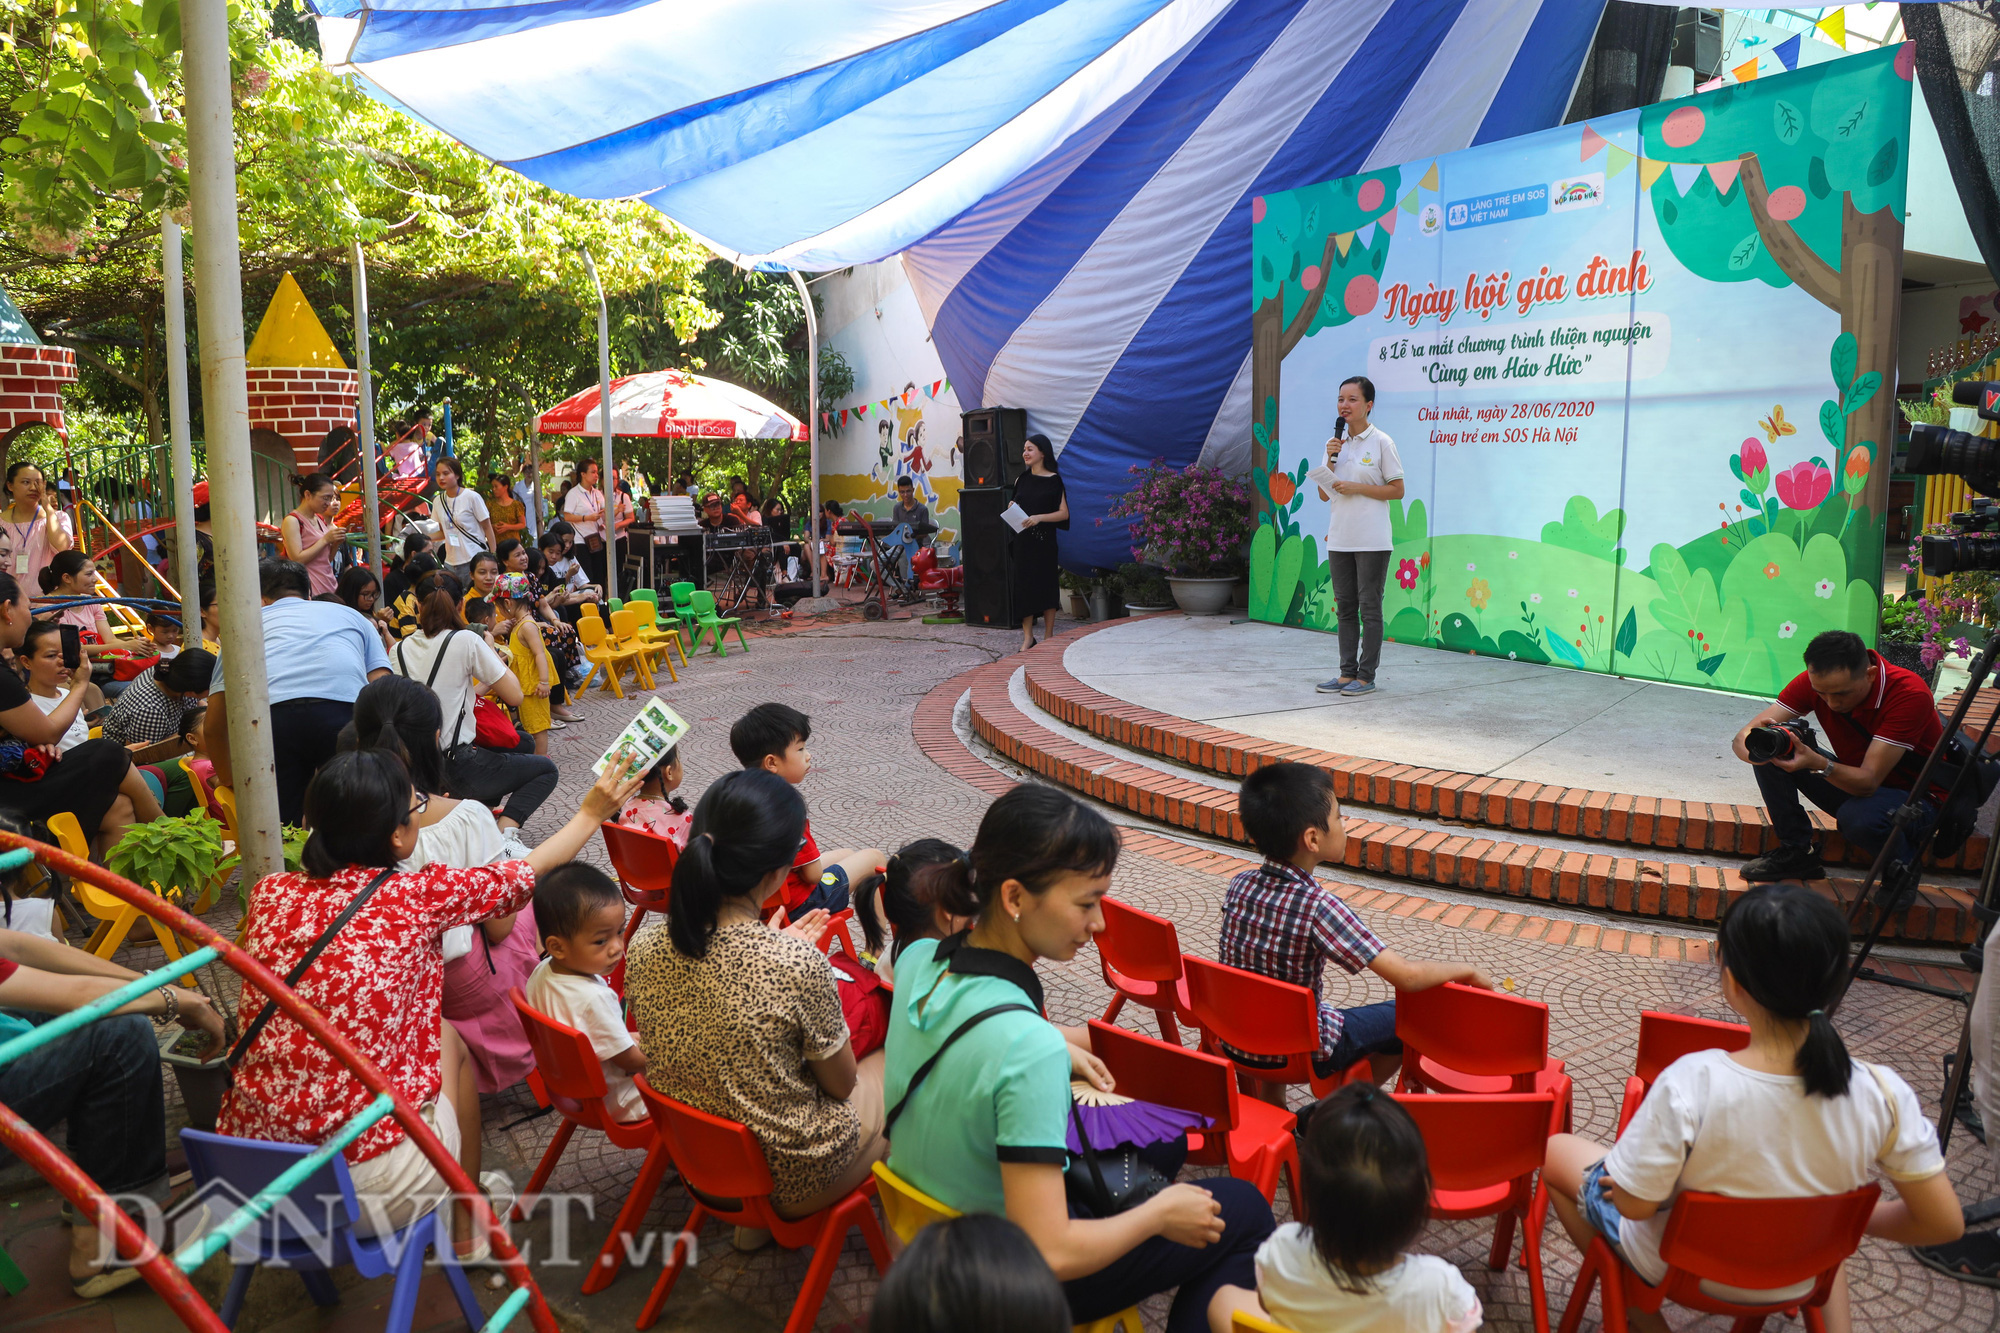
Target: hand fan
1111 1120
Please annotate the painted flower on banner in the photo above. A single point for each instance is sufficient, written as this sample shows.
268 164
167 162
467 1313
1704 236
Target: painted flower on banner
1572 592
1854 473
1406 575
1803 485
1771 570
1535 598
1788 629
1824 588
1754 467
1513 555
1470 567
1424 560
1479 593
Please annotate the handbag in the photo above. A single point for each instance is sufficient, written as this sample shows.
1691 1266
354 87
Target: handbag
1109 1182
863 1003
594 543
492 729
311 956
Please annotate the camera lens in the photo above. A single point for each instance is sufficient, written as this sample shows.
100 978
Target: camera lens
1767 743
1938 451
1967 552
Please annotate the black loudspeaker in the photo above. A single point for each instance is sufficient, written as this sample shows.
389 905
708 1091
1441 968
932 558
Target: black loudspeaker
984 551
993 437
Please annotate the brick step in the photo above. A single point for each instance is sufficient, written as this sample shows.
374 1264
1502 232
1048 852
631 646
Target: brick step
1471 798
1525 870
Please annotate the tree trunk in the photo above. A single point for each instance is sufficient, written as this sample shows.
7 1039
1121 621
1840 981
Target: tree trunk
1871 286
1267 331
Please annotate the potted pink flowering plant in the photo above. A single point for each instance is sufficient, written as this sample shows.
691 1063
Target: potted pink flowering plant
1196 521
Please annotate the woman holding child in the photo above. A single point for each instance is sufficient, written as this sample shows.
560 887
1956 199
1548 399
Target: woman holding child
380 979
980 1100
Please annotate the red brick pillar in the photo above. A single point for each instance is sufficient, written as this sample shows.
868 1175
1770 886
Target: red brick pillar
302 404
31 380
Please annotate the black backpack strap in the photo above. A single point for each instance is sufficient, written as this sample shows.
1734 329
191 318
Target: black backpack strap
311 956
924 1069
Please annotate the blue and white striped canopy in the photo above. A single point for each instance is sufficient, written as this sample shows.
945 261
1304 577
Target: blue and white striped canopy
1069 181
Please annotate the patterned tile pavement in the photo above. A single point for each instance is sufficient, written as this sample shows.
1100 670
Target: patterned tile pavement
873 785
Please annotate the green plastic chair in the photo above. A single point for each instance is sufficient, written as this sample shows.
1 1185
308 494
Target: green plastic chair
683 599
707 622
617 605
646 595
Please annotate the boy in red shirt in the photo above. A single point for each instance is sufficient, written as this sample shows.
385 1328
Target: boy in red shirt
774 736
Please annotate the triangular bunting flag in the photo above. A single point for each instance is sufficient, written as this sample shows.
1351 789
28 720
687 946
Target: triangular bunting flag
1387 222
843 416
1366 236
1685 175
1745 71
861 412
1430 180
1409 204
1834 27
1724 175
1649 171
1593 143
1616 161
1345 240
935 386
1710 86
1787 51
885 404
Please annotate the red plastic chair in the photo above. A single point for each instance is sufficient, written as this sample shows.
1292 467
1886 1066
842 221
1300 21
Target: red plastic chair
644 863
569 1076
1253 1139
1462 1039
726 1173
1140 956
1722 1254
1271 1019
839 927
1485 1150
1665 1038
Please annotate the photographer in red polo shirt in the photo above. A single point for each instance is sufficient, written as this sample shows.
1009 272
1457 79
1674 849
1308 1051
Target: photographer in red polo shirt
1880 722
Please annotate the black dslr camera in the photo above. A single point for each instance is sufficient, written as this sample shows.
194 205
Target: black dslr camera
1782 740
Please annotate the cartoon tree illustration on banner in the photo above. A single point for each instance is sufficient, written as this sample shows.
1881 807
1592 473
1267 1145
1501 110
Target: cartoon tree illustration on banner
1305 247
1801 183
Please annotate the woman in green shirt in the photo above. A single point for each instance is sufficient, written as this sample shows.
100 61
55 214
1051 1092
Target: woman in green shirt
986 1130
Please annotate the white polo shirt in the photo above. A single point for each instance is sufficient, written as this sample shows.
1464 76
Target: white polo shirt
1357 522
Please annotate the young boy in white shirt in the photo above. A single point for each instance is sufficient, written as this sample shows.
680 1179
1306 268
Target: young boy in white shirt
581 920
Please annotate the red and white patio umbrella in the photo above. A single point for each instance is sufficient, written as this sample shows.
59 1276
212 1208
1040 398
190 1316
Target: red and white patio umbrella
674 403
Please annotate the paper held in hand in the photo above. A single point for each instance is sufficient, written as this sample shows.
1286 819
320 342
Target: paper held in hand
656 730
1322 476
1014 516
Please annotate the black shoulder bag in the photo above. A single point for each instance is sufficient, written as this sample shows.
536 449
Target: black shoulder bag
311 956
924 1069
1110 1182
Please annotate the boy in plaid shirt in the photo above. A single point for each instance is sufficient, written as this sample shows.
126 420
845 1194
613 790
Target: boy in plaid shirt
1281 922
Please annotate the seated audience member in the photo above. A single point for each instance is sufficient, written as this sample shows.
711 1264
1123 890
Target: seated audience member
379 982
319 655
971 1274
165 632
580 919
512 600
154 705
71 573
904 904
564 583
91 779
400 575
656 809
1880 721
985 1129
211 617
773 737
1281 922
485 574
359 588
1789 1116
1366 1178
181 773
102 1082
743 1021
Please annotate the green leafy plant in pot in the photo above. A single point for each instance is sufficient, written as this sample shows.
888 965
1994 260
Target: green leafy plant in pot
1145 587
1196 521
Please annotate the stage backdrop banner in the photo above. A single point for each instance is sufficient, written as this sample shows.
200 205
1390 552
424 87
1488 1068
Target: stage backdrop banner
1640 372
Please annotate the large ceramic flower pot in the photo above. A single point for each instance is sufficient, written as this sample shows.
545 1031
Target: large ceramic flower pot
1201 597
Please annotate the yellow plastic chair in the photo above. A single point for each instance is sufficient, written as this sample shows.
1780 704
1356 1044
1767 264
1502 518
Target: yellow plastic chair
115 917
625 633
1239 1322
909 1210
651 630
604 655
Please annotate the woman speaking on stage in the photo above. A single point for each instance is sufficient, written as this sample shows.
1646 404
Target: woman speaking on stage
1367 474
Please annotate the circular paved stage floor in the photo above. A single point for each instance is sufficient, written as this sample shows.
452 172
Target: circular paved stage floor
1431 708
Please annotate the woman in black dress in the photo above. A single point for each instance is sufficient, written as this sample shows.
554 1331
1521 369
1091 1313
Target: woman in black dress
1040 494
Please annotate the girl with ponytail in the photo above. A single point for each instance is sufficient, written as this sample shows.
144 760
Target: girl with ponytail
309 534
903 903
979 1080
74 574
743 1021
1791 1115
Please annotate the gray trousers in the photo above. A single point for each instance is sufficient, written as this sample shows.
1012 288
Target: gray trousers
1358 578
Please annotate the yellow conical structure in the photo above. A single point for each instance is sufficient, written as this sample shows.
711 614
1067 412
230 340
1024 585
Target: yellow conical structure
291 334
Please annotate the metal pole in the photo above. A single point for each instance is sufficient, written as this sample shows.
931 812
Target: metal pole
181 452
364 415
604 417
534 465
812 417
218 280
